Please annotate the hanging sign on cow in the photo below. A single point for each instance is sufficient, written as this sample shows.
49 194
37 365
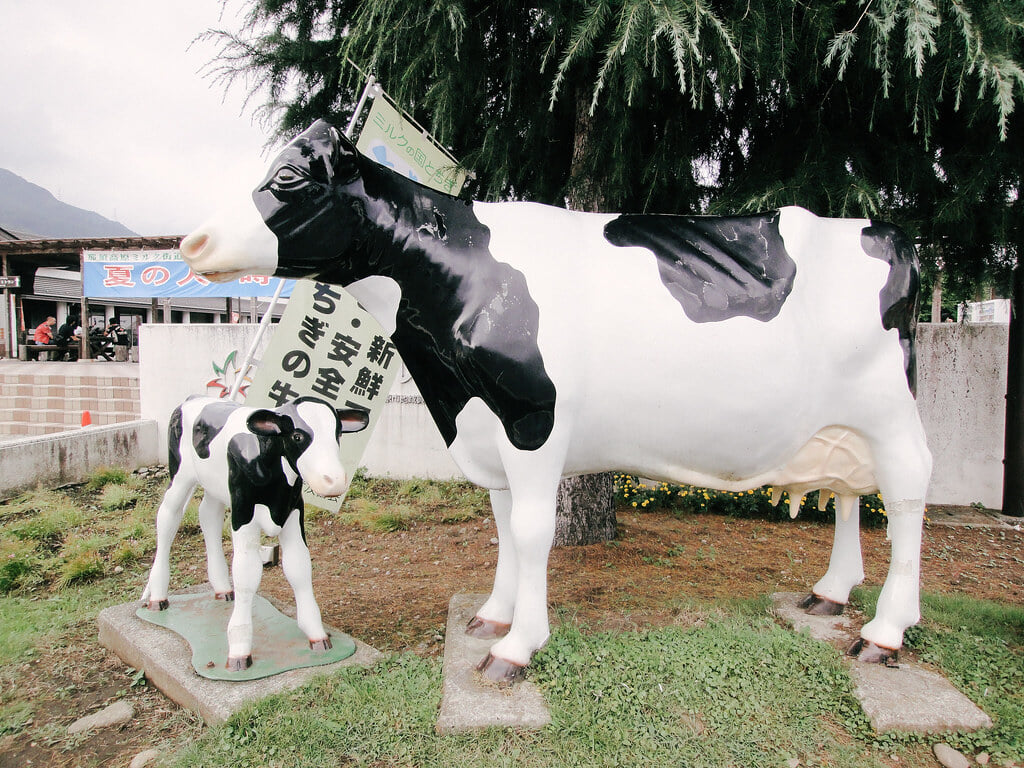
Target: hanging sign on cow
156 274
394 142
329 347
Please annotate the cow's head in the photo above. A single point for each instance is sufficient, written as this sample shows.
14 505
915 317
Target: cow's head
303 215
308 431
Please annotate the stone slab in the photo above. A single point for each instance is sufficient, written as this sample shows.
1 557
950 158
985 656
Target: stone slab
467 701
166 660
907 697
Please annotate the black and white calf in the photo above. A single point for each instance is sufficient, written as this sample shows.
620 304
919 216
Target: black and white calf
253 461
729 352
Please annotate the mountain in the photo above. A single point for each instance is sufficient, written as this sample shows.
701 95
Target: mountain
27 207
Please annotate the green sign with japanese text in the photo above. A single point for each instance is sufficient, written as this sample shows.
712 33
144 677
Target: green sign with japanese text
394 142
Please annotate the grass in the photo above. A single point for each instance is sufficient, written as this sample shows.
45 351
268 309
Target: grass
728 688
737 690
382 505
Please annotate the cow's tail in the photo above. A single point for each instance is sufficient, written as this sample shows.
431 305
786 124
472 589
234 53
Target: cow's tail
174 430
898 299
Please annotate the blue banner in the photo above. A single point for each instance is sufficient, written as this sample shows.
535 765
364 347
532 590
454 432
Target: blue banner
154 274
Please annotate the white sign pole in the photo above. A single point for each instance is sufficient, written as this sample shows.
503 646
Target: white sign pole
247 362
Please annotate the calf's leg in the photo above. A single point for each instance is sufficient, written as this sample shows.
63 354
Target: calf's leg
298 569
168 519
246 570
211 520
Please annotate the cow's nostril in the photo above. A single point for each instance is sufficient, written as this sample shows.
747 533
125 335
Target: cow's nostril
193 244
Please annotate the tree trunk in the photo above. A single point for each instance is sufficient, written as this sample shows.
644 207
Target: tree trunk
586 505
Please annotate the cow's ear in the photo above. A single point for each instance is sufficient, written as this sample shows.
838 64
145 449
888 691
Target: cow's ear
353 419
344 167
268 423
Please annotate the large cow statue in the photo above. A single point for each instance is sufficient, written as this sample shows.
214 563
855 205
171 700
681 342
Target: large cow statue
253 461
731 352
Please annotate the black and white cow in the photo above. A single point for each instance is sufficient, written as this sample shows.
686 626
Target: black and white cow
253 461
725 352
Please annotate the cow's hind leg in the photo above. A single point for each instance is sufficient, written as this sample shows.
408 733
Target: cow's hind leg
168 519
298 569
495 616
246 571
903 468
211 520
845 567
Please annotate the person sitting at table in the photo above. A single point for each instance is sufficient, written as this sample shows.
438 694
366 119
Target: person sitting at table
43 334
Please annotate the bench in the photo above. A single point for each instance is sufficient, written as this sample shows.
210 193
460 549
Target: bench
40 351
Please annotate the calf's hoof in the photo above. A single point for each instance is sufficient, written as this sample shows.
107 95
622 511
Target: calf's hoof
867 652
158 605
323 644
500 671
814 605
239 663
227 597
485 629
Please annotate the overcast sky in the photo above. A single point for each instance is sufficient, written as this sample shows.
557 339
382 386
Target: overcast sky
102 103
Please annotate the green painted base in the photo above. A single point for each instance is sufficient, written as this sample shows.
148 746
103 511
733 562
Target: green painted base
278 644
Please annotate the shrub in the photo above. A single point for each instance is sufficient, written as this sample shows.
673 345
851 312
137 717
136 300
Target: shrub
687 499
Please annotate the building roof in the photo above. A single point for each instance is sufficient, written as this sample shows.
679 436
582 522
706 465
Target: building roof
24 256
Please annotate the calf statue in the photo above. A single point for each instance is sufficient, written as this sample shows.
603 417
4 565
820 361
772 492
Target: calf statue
728 352
252 460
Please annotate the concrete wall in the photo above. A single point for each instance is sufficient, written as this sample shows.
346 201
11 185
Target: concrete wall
176 361
72 456
961 395
961 388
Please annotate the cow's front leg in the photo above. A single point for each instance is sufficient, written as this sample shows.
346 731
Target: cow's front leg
298 569
495 616
168 519
246 570
532 529
211 520
845 566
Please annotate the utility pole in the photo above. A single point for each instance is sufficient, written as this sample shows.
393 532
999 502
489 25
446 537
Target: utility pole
1013 447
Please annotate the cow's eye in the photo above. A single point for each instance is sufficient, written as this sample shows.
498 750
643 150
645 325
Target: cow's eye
299 437
288 178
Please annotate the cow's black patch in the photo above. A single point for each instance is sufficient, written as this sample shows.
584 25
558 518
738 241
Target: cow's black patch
898 299
208 424
715 267
255 477
174 431
466 325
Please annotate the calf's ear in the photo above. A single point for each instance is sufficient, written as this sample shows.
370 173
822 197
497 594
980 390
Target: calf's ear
268 423
353 420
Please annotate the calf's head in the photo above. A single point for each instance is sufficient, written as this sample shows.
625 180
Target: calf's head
303 215
307 432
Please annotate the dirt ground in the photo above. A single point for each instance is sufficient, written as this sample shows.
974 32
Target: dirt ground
391 590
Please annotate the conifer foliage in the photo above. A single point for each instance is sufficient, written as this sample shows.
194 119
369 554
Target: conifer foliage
907 110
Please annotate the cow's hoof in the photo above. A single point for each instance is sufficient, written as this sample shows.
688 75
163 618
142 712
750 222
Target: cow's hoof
500 671
227 597
239 664
485 629
867 652
814 605
158 605
323 644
